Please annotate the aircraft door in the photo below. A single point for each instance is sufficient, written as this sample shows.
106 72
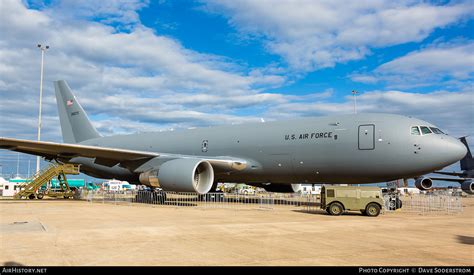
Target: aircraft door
367 137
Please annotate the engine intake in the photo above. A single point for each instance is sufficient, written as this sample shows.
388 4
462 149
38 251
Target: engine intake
181 175
468 186
423 183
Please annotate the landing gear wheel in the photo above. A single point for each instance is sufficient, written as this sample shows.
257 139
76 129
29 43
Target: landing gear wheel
32 196
163 198
159 198
335 209
392 204
399 203
372 210
40 196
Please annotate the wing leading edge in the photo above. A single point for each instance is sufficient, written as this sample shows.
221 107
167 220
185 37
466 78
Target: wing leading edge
459 180
105 155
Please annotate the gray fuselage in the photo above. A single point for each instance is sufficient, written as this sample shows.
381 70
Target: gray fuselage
362 148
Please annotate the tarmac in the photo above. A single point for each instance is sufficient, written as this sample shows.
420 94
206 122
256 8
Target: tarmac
79 233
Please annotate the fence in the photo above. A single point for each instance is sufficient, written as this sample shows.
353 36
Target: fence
262 201
420 203
432 204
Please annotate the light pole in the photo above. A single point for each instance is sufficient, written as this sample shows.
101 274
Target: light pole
43 48
18 165
354 93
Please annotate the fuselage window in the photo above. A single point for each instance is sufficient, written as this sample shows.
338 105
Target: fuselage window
436 131
425 130
415 130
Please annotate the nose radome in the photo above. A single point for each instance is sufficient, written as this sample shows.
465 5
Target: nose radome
457 150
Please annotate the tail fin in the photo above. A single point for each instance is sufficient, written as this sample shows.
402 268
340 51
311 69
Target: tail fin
75 125
467 163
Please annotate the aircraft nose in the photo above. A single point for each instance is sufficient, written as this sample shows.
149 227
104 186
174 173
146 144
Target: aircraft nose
455 149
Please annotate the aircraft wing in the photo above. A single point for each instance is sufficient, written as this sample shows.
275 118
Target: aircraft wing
105 155
450 173
52 150
460 180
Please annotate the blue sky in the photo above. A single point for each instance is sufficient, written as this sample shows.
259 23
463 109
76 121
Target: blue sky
159 65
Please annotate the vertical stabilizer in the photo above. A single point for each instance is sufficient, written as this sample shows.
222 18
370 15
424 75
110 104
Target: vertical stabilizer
75 125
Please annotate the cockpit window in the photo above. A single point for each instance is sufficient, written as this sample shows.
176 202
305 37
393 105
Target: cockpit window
425 130
415 130
436 131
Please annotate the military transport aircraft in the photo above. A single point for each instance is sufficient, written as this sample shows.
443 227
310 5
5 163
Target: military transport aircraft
349 149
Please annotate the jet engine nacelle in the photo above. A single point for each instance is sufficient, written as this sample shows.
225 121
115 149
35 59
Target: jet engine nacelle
468 186
423 183
282 188
181 175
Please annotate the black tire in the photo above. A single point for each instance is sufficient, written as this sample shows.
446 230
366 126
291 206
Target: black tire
392 204
220 196
40 196
335 209
372 210
159 198
148 198
163 198
139 198
32 197
399 203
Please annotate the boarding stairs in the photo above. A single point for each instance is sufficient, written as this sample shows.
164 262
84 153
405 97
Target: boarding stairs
30 188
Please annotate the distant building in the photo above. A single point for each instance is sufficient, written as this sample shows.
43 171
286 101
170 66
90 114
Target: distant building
117 185
310 189
2 185
408 190
11 187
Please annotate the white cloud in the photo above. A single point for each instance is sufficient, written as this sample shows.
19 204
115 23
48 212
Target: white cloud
364 78
452 111
315 34
136 76
123 13
140 81
457 62
441 64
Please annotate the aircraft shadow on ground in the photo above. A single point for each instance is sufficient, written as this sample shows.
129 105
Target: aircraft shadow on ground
466 240
323 212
